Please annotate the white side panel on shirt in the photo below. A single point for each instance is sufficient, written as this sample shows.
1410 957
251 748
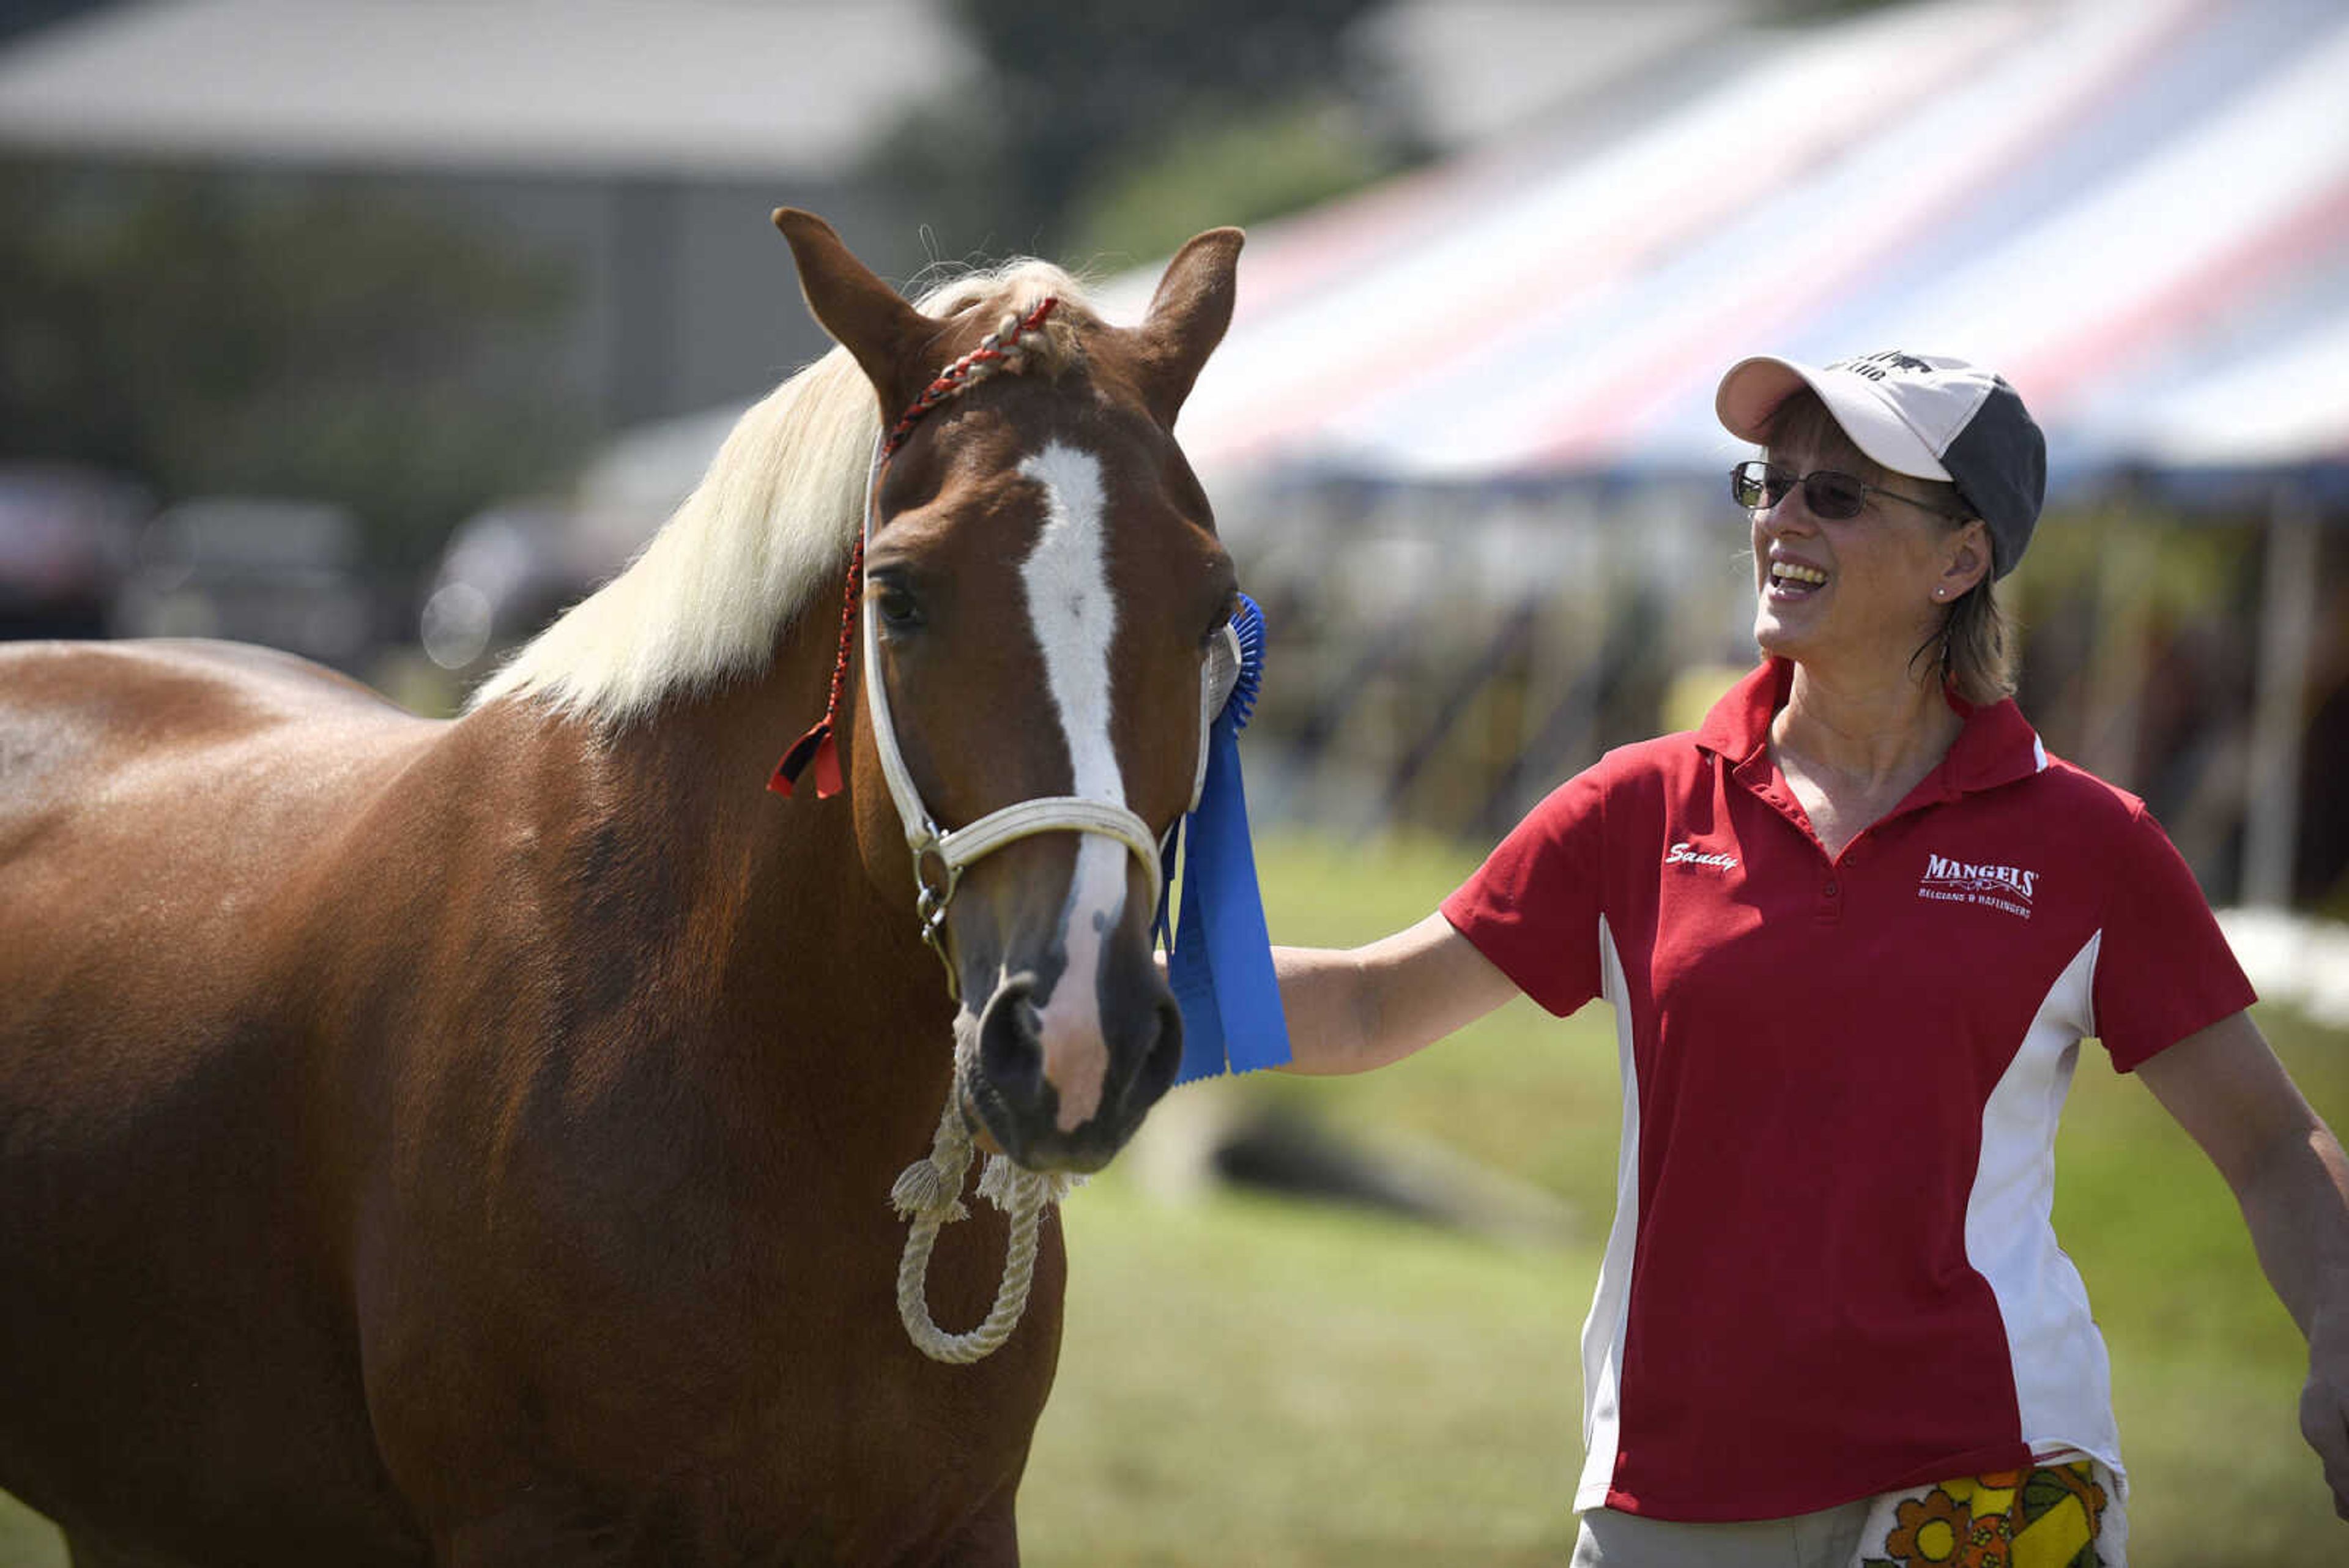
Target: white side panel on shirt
1610 1305
2063 1377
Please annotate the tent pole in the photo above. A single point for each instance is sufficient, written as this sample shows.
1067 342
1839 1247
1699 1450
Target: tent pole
2287 643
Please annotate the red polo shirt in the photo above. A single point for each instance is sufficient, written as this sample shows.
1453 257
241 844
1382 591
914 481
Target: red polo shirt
1832 1271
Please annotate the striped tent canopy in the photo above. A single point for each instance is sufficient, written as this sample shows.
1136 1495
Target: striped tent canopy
2138 210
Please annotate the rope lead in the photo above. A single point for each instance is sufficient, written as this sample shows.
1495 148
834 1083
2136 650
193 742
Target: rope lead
929 1194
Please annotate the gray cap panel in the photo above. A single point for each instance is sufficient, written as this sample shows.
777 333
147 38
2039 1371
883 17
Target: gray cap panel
2000 463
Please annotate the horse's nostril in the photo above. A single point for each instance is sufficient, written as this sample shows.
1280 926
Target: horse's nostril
1010 1037
1161 1062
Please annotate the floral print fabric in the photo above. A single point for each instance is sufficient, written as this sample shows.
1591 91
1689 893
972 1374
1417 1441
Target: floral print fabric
2050 1516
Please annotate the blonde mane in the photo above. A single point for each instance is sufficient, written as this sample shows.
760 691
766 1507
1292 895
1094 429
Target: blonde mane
769 526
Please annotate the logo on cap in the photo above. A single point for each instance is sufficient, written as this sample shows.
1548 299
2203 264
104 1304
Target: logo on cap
1876 366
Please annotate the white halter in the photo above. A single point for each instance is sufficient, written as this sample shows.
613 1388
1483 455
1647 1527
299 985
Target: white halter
928 1193
940 857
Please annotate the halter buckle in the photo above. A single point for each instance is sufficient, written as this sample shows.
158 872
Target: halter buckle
936 877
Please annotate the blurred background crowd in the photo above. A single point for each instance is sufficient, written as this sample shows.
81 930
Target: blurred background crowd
380 332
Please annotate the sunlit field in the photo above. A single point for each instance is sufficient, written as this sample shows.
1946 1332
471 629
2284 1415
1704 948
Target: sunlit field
1250 1380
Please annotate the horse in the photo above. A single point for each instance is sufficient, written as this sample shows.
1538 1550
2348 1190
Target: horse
469 1141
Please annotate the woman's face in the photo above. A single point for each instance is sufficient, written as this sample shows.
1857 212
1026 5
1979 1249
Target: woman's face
1856 593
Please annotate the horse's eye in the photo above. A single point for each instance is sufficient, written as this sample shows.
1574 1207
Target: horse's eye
898 609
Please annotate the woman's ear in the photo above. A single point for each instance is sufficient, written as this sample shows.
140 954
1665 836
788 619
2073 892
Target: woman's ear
1966 562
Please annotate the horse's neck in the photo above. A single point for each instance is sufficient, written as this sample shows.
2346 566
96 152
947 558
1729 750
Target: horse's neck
763 935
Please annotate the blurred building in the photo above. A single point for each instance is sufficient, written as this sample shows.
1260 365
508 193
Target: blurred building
1460 429
639 148
641 145
281 573
645 144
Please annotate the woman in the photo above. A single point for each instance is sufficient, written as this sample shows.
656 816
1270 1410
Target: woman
1853 929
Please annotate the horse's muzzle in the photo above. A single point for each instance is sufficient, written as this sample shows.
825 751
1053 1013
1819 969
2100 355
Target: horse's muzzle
1057 1101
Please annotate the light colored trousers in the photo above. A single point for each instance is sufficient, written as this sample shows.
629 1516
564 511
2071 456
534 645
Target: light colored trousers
1827 1539
1841 1537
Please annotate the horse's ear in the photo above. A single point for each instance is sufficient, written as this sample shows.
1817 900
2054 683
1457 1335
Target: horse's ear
1187 318
864 314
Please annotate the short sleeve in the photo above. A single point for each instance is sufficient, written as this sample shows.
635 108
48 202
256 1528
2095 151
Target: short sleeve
1533 907
2163 969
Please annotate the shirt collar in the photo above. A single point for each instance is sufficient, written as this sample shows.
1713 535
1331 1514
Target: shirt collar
1997 745
1739 723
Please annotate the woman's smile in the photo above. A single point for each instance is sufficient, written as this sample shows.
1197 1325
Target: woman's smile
1788 581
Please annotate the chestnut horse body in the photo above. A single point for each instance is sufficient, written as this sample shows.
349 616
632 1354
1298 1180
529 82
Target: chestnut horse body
469 1142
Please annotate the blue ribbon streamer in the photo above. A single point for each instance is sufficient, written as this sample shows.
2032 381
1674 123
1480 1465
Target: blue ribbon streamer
1220 965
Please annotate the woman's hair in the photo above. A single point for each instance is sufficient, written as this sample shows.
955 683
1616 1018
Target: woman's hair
1972 646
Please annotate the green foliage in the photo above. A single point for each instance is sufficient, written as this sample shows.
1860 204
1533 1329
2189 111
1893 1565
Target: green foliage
2164 567
1822 10
1086 114
213 333
1217 169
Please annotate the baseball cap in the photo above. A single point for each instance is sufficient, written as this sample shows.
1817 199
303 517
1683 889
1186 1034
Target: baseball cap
1924 415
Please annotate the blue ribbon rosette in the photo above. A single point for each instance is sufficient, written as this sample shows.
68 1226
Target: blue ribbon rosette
1220 962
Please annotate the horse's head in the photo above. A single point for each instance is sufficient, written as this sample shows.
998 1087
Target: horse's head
1041 582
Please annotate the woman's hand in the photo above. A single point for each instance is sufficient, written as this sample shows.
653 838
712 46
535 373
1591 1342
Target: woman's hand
2226 1089
2324 1403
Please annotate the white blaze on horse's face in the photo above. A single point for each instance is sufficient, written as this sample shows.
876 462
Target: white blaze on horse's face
1074 619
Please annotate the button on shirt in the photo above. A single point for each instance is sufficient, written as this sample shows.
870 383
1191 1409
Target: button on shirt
1832 1271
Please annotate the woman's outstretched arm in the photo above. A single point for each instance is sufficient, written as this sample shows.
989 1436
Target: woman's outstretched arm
1353 1009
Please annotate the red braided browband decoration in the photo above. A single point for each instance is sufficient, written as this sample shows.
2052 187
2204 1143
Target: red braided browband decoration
1002 349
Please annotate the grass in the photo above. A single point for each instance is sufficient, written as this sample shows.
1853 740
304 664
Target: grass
1248 1380
26 1539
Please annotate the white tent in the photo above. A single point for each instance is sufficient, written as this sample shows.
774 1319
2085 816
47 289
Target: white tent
2138 209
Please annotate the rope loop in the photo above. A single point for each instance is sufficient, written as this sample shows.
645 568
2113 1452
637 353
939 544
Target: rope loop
929 1194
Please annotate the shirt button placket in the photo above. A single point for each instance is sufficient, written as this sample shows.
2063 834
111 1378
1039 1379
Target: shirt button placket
1831 885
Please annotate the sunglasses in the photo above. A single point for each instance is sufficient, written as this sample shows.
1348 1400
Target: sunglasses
1830 496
